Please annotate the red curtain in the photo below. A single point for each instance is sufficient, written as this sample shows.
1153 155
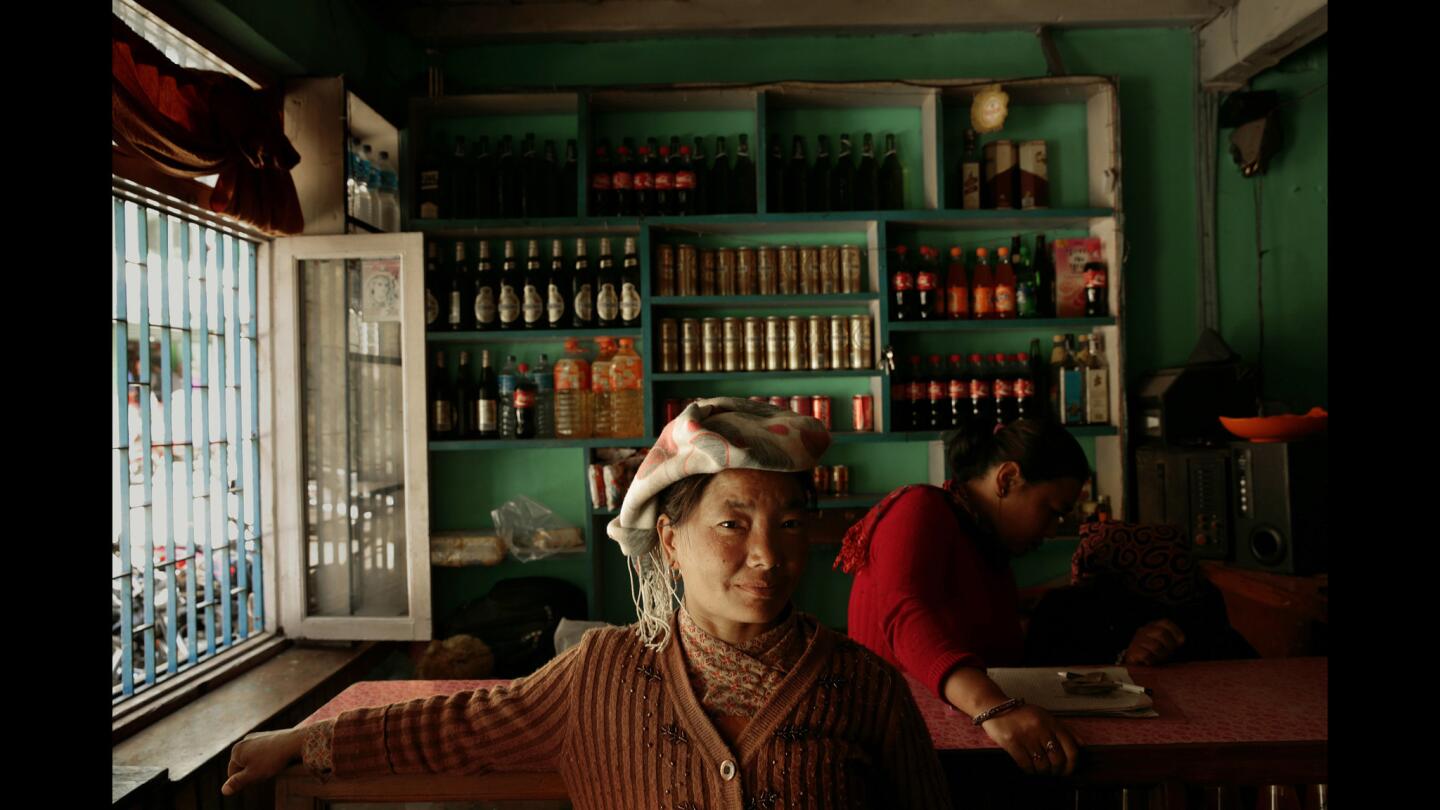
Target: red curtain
190 123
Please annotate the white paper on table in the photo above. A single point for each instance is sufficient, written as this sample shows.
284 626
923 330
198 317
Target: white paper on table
1041 686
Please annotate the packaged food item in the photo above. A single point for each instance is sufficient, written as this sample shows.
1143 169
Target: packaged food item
460 549
1071 256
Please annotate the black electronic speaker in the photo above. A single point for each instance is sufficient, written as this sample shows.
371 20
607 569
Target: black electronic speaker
1188 488
1280 504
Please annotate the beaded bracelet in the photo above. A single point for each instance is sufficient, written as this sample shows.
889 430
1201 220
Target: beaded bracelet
996 711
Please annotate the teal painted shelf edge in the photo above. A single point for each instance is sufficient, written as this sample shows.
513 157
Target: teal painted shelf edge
531 335
928 216
1056 324
767 301
761 375
540 444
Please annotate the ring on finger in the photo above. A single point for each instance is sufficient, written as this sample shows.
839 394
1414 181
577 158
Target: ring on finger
1051 746
1037 757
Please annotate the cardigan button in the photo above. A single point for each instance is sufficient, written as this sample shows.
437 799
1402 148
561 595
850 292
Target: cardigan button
727 770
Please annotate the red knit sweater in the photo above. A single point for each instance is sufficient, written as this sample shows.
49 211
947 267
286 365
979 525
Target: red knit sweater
926 600
625 729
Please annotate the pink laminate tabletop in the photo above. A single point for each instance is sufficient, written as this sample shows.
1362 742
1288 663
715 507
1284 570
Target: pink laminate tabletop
1209 703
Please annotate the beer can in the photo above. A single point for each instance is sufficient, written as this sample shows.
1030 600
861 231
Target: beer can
731 351
820 409
725 272
780 402
817 343
829 269
689 345
673 407
850 269
862 413
862 342
669 345
821 475
840 479
1034 176
754 344
665 260
707 272
774 343
839 342
710 344
789 273
797 354
1000 166
809 271
767 271
745 271
686 271
801 404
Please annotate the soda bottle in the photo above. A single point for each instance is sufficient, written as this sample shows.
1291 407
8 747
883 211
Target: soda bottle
1003 389
1024 387
622 183
1097 298
919 395
533 301
797 177
625 375
982 391
565 186
510 289
572 393
867 178
1027 290
582 290
558 286
487 285
442 401
643 181
743 182
820 176
487 400
957 287
892 178
959 392
842 179
1004 287
686 193
467 413
775 177
902 285
607 289
630 286
701 192
899 398
505 387
982 288
665 183
721 181
938 394
601 406
929 290
602 196
544 379
526 413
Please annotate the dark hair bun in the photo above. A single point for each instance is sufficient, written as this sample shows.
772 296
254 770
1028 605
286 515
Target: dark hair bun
1042 447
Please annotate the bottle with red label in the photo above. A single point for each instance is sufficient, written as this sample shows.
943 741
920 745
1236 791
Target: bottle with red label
938 387
1004 286
982 287
665 184
622 181
959 390
957 287
1097 298
919 395
525 413
685 190
1003 389
904 304
982 399
602 199
929 289
899 398
643 180
1025 403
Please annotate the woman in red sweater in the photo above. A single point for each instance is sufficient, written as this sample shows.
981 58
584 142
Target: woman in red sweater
934 593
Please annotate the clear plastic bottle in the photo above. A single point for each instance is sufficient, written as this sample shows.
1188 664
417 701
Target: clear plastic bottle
509 375
625 375
372 186
352 172
573 419
389 195
542 374
601 404
363 207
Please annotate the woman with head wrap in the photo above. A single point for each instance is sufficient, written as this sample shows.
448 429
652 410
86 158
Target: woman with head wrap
734 700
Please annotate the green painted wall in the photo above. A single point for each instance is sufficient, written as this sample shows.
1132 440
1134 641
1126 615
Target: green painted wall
1294 213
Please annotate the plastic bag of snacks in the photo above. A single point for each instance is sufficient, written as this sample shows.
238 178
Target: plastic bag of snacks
534 532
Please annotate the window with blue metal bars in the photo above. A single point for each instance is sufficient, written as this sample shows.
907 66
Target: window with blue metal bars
186 581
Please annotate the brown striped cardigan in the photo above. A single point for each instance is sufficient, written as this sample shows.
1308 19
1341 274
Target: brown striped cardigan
624 728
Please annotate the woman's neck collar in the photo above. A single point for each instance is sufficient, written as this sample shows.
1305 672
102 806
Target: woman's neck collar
735 633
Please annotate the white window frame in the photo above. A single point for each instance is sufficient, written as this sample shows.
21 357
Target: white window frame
288 446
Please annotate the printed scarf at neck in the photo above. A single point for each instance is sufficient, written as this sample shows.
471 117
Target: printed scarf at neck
733 680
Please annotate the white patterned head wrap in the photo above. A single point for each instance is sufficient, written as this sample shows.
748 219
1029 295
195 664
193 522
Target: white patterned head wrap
710 435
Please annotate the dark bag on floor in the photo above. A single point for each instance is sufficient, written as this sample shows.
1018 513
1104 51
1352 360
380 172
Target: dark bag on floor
517 620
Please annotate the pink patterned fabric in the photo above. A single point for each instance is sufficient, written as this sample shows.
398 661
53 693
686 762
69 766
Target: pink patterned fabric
318 748
737 681
1151 561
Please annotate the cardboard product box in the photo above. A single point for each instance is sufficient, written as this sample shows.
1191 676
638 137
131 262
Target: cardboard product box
1070 258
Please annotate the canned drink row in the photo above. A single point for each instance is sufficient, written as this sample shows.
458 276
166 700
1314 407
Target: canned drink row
774 343
832 480
783 270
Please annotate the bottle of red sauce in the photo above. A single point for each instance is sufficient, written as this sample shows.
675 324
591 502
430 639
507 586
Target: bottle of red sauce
982 288
1005 286
957 286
